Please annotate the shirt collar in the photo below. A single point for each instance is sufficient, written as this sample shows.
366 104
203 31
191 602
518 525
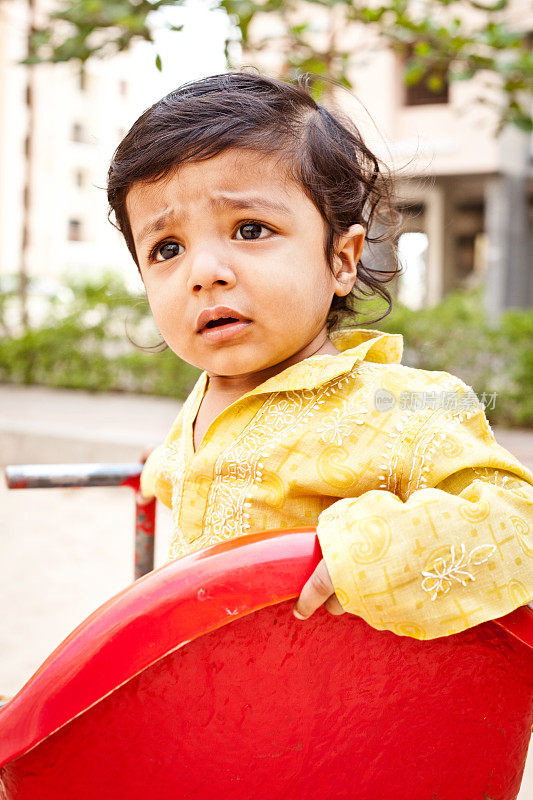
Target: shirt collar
354 344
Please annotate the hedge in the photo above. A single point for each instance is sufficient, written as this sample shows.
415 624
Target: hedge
84 345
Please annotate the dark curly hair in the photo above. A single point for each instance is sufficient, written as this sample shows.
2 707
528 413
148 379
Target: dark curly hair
321 150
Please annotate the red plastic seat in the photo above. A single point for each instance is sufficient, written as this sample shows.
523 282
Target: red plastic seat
156 696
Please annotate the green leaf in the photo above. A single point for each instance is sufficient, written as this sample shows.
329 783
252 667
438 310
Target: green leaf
413 73
499 5
435 82
422 48
521 119
80 30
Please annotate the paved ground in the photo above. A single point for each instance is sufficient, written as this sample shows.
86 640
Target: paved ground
64 552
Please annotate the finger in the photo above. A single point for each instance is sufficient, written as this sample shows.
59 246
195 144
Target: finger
333 606
314 593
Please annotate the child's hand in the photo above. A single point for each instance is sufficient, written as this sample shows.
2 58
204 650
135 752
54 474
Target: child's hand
317 591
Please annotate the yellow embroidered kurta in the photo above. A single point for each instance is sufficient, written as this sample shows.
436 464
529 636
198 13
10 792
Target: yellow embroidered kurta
425 521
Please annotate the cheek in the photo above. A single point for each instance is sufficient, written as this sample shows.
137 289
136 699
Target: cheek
165 309
154 300
304 284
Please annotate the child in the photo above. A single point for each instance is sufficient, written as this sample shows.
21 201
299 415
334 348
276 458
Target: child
245 207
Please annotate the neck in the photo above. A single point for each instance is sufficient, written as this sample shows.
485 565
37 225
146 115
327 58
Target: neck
232 387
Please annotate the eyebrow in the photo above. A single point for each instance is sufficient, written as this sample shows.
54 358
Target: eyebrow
221 202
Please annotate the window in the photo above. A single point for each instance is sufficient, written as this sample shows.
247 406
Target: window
123 88
432 88
421 95
82 80
77 133
74 230
79 178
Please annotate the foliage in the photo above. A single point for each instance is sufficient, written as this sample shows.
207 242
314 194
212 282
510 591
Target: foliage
457 336
440 40
85 346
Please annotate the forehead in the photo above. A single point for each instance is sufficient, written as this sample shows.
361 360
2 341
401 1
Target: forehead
234 171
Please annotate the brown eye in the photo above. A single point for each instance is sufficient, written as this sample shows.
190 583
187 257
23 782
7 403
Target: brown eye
252 230
166 251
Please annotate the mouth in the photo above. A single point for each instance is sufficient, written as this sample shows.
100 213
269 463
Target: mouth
217 323
220 322
217 330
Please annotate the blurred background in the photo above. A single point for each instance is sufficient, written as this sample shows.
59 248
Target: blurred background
442 91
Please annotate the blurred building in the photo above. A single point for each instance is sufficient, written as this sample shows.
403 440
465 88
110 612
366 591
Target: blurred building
466 195
69 124
55 216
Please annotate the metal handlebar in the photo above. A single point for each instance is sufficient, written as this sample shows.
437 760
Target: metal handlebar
55 476
37 476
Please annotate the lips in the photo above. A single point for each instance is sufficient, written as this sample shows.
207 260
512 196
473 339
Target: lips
218 316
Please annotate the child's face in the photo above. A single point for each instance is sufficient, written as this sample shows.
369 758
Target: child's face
201 254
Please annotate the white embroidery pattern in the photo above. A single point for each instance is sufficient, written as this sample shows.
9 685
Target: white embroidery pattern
240 466
499 478
425 450
338 424
393 450
439 581
494 476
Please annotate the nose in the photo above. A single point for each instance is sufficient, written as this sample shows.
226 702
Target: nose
207 269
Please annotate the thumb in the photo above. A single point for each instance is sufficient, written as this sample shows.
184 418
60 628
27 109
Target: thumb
315 592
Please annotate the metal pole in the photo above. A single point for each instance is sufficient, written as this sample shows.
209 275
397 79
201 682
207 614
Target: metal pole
47 476
144 535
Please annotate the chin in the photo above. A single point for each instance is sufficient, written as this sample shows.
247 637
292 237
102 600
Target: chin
229 364
231 369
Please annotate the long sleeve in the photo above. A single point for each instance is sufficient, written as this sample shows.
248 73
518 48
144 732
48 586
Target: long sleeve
149 472
452 549
155 478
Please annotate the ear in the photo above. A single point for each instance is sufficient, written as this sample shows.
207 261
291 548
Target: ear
348 254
